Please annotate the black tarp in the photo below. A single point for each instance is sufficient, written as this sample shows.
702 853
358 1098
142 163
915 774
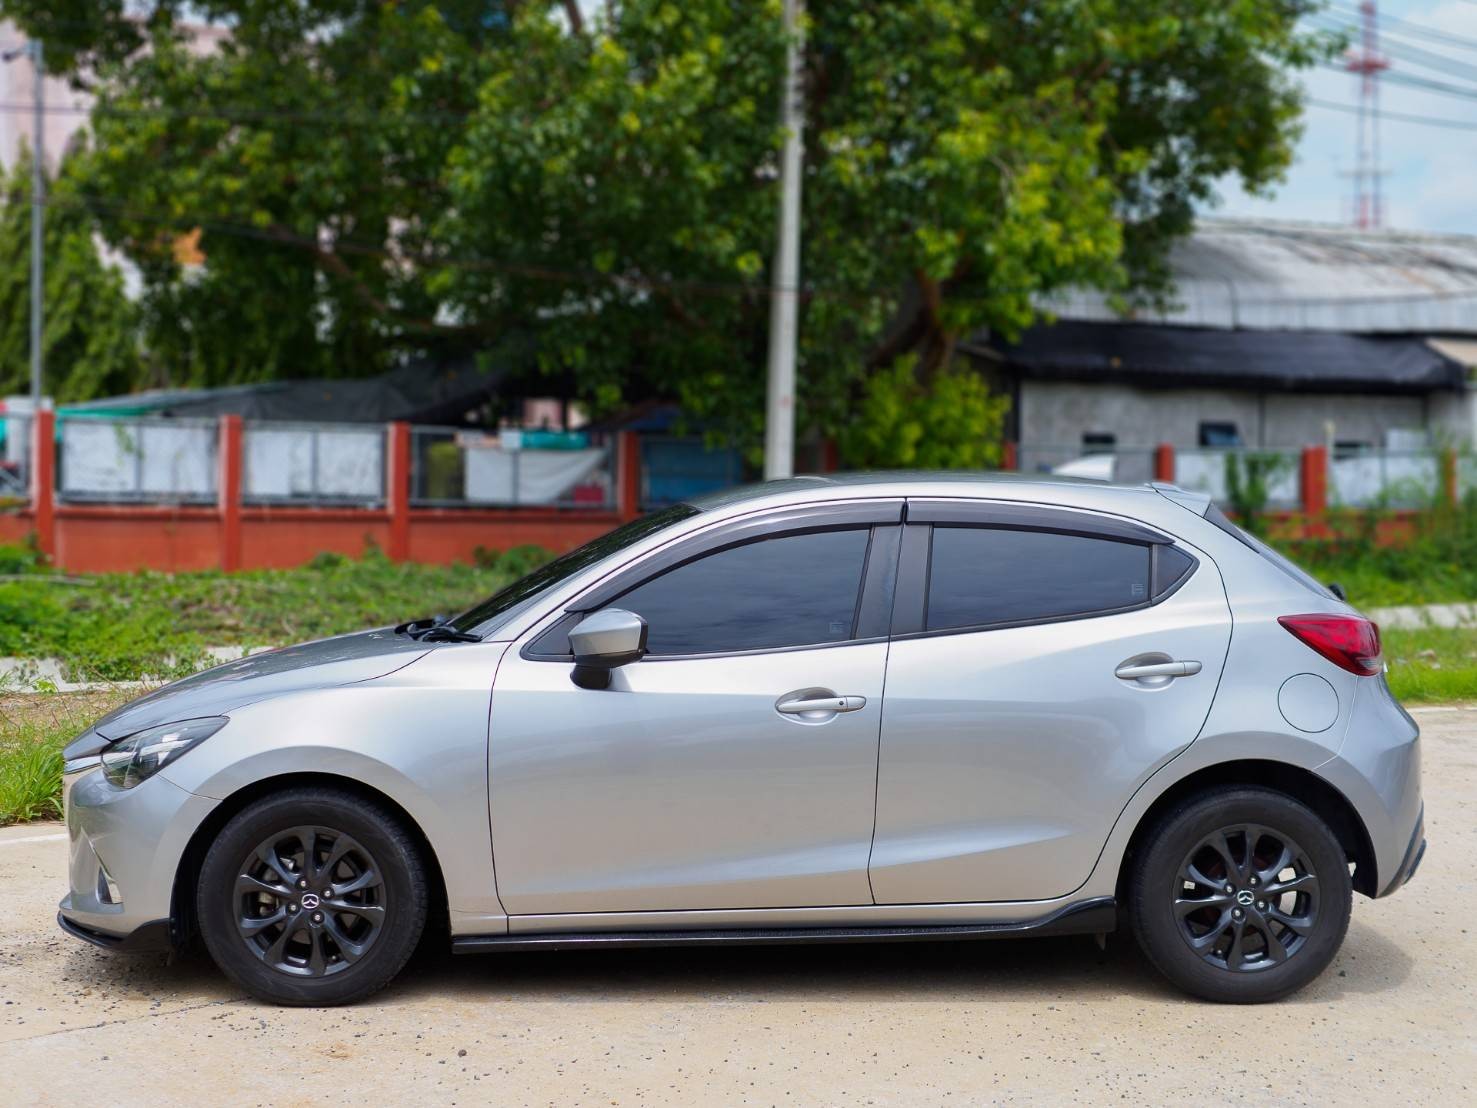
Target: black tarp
422 392
1169 357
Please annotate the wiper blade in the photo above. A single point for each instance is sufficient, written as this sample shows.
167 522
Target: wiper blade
415 628
434 629
443 633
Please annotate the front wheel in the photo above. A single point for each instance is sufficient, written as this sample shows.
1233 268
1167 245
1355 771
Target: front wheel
1240 895
312 896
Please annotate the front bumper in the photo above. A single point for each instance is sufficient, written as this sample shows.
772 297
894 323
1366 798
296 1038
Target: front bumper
125 850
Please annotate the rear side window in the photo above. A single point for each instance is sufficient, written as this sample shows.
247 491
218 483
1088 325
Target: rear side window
793 590
1301 576
982 576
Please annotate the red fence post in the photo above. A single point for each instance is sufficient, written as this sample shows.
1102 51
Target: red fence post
628 479
228 492
397 489
1450 491
43 480
1164 463
1313 480
1008 458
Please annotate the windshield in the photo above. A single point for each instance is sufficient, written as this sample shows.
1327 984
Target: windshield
506 603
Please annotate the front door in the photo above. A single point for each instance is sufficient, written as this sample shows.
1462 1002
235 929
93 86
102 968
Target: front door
1015 730
690 783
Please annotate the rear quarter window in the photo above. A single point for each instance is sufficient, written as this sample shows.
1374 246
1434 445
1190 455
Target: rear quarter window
982 577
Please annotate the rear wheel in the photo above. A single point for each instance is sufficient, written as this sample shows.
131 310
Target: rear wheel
1241 895
312 896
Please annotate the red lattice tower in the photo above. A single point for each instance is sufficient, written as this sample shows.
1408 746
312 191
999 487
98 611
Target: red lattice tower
1366 62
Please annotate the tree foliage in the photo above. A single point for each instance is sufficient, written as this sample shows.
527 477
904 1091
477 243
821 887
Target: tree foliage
90 338
372 179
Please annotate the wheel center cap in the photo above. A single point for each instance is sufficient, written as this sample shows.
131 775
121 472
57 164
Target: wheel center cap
310 901
1244 898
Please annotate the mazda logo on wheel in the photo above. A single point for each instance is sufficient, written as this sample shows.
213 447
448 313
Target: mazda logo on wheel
1243 898
310 901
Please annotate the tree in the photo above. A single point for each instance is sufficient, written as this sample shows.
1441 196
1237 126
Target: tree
90 335
372 179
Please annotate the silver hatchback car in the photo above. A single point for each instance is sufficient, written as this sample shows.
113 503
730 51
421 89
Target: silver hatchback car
882 707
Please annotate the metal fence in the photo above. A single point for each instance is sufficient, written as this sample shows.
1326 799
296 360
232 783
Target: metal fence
1210 471
451 467
15 457
137 460
313 463
1384 479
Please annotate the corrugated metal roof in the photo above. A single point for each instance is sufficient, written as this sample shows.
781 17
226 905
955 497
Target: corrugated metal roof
1311 277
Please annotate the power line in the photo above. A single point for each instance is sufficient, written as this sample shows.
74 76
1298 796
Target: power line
1410 28
1396 117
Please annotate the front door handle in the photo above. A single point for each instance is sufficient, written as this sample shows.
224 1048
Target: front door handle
1138 671
820 704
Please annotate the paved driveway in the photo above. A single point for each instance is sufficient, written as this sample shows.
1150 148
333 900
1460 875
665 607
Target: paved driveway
1393 1021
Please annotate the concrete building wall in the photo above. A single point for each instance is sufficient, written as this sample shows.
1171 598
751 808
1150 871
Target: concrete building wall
1061 412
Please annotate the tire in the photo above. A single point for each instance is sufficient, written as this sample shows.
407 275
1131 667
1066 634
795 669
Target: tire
331 933
1196 852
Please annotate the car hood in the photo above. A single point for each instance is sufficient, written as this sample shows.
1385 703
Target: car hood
215 692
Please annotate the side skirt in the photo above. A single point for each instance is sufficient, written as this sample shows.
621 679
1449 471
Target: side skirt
1089 917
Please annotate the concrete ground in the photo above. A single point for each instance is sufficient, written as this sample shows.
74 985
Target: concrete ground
1394 1020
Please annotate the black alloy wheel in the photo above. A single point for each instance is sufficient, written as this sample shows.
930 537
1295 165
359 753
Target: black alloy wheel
312 901
1239 894
313 896
1246 898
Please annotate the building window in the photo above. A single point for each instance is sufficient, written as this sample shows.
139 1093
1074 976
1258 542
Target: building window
1098 442
1350 448
1219 434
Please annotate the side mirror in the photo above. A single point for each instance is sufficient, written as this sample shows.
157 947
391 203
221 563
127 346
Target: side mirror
604 641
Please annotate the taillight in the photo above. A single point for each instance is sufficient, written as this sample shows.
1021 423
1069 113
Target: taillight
1349 642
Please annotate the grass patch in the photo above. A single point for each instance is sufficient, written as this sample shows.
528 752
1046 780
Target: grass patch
1432 663
124 626
33 730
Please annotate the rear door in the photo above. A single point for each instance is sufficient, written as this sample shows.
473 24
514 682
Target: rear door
1031 688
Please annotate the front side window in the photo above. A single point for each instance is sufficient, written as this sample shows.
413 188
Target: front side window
982 576
507 603
792 590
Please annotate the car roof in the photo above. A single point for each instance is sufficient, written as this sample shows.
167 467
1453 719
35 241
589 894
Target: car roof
985 484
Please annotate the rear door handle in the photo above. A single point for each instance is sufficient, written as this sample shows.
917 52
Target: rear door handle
821 704
1137 671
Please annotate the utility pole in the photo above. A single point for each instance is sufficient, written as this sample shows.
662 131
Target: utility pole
38 210
33 50
779 422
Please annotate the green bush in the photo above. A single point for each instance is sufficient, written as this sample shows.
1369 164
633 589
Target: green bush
1437 563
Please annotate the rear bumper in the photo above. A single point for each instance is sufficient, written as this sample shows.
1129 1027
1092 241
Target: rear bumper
1378 769
1415 853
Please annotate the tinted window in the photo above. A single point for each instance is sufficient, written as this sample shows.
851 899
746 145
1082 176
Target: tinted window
788 591
979 576
1173 565
503 605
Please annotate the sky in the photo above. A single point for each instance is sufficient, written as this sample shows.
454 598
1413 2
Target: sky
1432 181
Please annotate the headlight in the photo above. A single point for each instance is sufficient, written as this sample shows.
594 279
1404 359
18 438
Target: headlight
140 756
